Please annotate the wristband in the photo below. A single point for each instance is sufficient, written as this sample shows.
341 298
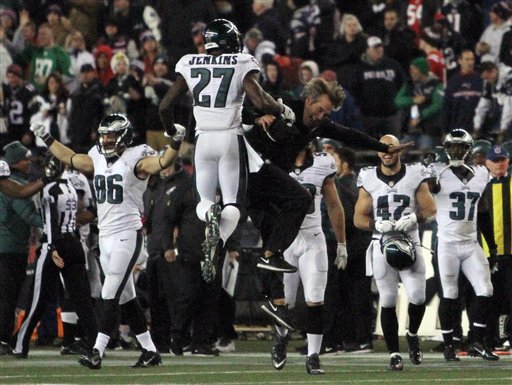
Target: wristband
48 140
175 144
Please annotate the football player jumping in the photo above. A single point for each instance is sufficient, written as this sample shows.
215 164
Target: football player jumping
120 177
393 199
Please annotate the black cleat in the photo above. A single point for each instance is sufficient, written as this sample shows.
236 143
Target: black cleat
415 353
5 349
176 348
92 360
277 263
212 237
313 365
396 362
279 351
147 359
279 313
449 354
204 351
477 349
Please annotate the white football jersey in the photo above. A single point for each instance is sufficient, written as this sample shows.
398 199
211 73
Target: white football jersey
5 171
118 190
393 197
216 84
457 202
81 184
312 178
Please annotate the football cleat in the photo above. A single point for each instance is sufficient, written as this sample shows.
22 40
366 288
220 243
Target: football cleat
279 351
477 349
5 349
396 362
415 353
211 241
147 359
92 360
279 313
313 365
277 263
449 354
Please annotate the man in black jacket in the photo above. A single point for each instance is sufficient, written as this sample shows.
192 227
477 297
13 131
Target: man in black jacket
277 203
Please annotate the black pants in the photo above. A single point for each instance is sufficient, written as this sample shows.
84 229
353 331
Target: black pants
501 299
277 205
12 274
46 285
194 304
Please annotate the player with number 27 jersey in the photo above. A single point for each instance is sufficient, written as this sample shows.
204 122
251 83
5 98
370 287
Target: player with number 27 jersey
117 183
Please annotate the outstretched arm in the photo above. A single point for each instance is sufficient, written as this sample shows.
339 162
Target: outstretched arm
16 190
165 109
80 162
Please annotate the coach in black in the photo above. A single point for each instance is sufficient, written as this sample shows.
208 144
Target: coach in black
271 191
61 253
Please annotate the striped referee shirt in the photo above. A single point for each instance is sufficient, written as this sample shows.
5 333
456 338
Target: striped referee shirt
58 209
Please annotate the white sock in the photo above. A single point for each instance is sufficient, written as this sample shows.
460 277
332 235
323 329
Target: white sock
281 330
101 343
146 342
314 343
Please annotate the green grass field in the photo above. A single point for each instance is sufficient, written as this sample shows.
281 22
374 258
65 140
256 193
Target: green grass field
46 366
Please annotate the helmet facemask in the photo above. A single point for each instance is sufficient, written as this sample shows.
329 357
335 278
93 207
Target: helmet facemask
457 145
115 135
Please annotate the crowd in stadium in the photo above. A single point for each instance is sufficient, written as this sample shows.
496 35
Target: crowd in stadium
434 72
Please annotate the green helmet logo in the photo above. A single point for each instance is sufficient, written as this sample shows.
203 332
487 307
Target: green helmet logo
398 249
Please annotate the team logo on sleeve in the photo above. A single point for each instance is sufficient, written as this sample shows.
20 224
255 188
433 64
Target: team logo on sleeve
147 151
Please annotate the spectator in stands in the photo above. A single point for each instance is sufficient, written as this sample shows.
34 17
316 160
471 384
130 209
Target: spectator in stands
398 40
86 110
493 113
273 83
465 18
269 23
307 71
116 40
262 50
343 55
16 218
377 81
102 57
429 42
451 44
129 18
25 34
122 80
303 30
462 94
19 104
197 36
56 95
8 20
6 59
75 45
421 101
490 41
420 14
45 58
59 24
149 51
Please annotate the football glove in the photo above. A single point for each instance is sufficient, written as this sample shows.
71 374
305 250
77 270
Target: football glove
341 256
406 222
286 111
384 226
40 130
176 135
5 171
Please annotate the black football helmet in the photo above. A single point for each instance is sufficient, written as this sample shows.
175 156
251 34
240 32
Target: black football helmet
398 249
457 145
53 167
115 134
223 35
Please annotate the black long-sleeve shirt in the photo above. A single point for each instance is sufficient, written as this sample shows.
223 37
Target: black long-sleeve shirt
297 136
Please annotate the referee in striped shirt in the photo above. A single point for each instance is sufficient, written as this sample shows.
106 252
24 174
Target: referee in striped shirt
499 195
61 253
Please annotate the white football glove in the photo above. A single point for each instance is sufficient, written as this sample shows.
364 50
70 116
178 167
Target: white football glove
341 256
406 222
384 226
5 171
39 129
287 112
179 135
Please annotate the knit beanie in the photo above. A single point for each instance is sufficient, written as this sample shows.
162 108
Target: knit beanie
421 64
15 151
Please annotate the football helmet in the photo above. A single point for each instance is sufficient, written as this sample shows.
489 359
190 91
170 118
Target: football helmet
53 167
223 35
457 145
115 134
398 249
481 146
